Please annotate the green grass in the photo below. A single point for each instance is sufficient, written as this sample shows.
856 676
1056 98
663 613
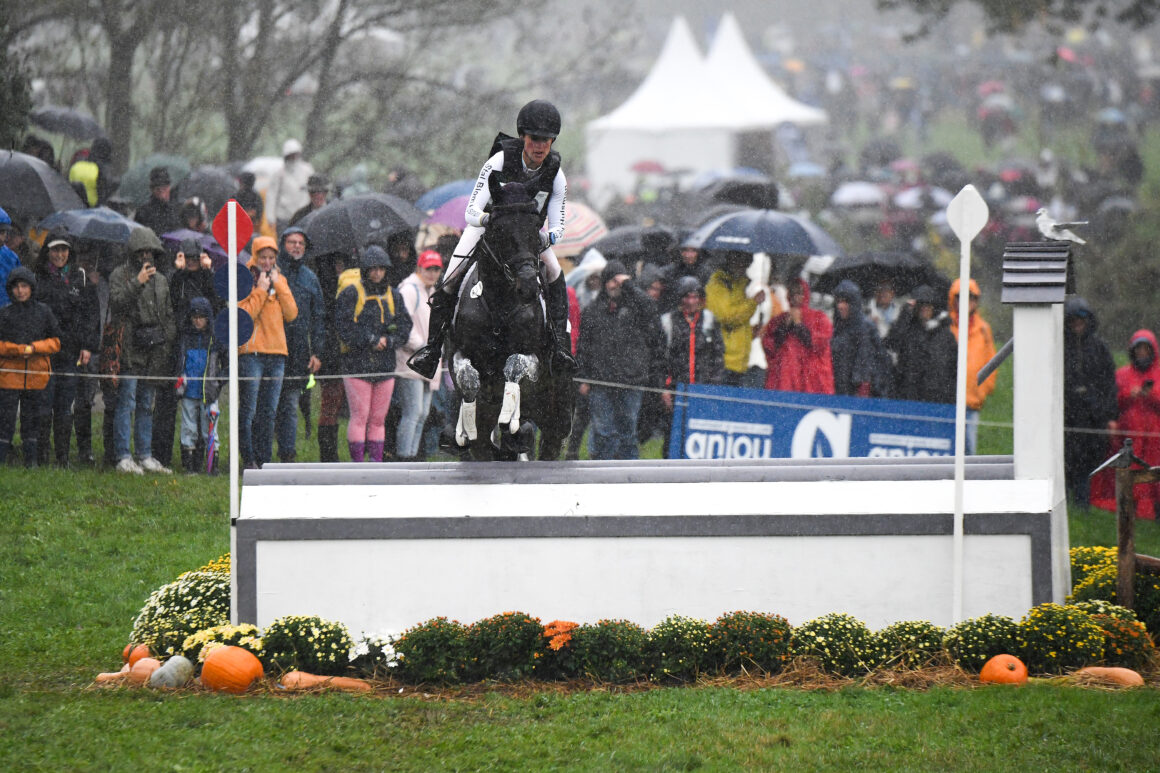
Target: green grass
84 549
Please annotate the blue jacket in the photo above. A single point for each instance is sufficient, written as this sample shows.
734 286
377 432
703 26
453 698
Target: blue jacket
306 335
8 261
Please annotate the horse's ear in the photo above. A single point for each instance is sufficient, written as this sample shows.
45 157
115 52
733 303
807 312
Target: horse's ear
493 186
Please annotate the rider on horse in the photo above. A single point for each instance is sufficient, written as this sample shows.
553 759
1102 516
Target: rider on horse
524 159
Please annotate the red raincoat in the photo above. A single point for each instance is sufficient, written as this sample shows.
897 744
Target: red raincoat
799 355
1139 420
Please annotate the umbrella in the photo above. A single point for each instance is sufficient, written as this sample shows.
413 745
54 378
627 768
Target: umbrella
630 243
582 227
99 224
858 193
764 230
451 213
31 189
66 121
648 166
173 241
135 184
433 198
212 185
347 225
923 197
904 270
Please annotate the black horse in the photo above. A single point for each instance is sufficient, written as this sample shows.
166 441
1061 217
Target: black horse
501 346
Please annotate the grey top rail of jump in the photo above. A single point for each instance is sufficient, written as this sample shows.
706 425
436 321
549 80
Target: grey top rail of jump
636 471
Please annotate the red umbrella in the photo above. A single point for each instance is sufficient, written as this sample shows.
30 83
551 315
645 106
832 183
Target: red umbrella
648 166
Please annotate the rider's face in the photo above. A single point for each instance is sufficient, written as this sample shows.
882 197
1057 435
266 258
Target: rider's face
536 149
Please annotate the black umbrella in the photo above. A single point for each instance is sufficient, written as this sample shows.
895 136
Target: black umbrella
904 270
99 224
764 230
350 224
66 121
214 186
630 243
31 189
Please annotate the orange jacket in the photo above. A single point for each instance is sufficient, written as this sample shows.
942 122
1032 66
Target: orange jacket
269 313
35 367
980 348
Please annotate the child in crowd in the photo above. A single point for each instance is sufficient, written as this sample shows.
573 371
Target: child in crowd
198 385
29 335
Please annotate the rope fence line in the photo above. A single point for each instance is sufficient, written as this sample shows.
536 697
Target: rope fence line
771 403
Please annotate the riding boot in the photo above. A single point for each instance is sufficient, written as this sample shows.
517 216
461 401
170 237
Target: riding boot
62 437
558 324
357 450
374 450
426 360
328 443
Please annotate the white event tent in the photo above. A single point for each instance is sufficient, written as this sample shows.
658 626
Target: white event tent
690 114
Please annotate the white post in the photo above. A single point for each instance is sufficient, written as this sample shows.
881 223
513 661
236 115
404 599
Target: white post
967 214
1038 419
232 305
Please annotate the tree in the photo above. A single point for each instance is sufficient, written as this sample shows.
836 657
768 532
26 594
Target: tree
15 91
1013 15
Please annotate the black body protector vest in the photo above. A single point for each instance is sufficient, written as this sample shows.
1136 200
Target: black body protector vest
513 169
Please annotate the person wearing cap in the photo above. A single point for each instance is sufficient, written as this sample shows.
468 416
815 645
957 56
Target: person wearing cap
305 340
29 336
412 391
318 187
287 193
141 318
694 346
64 288
8 259
927 354
262 359
526 159
372 322
980 350
622 345
159 214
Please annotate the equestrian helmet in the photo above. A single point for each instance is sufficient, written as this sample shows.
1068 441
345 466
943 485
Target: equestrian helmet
538 118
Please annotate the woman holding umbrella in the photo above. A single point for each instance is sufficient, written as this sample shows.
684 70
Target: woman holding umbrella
64 288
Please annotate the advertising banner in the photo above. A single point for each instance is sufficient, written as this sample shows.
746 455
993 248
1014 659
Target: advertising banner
717 422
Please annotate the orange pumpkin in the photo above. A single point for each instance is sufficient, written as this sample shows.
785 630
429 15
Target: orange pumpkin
125 653
140 671
138 652
1004 669
230 669
1124 677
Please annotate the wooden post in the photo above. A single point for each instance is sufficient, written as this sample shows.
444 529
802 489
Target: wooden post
1126 537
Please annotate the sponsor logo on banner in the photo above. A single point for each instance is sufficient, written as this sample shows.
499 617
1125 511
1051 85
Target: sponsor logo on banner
712 422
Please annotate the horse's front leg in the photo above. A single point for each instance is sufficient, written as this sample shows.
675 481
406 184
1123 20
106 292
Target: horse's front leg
515 369
467 382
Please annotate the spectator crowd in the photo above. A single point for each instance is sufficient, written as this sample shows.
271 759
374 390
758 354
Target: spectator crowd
134 332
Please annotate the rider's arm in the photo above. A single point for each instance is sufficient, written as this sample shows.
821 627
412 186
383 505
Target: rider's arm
555 222
481 195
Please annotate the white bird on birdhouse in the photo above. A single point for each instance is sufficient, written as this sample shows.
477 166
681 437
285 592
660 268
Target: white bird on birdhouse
1057 231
